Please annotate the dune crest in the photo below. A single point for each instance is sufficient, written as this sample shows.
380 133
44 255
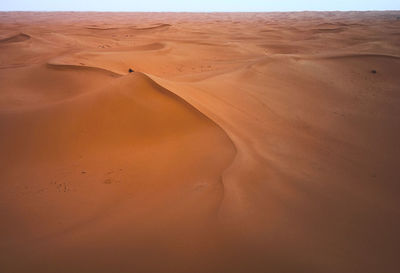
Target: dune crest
81 67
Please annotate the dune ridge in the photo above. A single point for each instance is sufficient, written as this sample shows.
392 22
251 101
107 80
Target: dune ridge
61 66
156 27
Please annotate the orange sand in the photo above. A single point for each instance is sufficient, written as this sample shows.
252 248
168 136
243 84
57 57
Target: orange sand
254 142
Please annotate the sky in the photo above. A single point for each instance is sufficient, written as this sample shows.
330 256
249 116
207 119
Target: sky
196 5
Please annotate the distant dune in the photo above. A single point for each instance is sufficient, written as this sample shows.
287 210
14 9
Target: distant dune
15 38
209 142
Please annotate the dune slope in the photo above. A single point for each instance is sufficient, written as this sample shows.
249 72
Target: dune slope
82 170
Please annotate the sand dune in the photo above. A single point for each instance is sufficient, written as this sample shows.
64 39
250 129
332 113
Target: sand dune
243 142
16 38
156 27
131 145
43 84
329 30
363 56
152 46
102 28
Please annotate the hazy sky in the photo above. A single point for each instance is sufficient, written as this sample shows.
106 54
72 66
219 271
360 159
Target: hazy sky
198 5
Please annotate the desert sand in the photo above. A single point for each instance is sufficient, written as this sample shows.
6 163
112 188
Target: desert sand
242 142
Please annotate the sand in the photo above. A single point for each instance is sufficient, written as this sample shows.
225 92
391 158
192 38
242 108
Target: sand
242 142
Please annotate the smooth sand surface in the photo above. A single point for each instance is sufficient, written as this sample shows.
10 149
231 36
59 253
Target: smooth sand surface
254 142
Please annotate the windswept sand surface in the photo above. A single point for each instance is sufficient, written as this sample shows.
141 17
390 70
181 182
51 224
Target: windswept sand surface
259 142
